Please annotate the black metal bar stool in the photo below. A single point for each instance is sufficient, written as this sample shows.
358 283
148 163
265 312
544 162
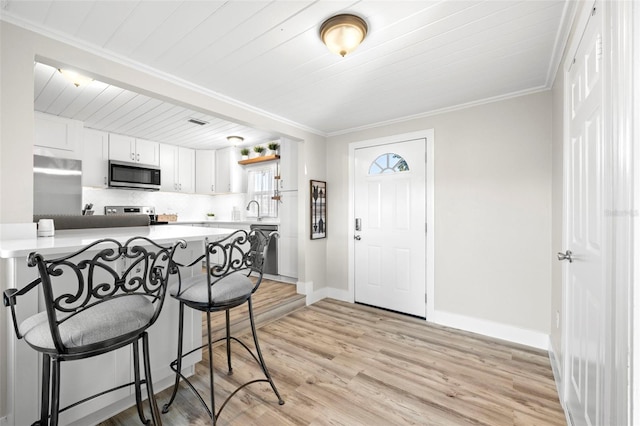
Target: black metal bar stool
230 264
98 299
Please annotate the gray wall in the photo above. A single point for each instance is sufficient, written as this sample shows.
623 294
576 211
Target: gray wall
493 174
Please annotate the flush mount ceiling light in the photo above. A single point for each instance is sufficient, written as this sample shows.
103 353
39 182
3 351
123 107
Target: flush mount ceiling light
74 77
235 139
343 33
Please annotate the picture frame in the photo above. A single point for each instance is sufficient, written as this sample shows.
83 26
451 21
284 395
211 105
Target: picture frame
318 203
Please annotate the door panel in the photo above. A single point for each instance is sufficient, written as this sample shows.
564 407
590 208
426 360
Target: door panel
390 254
585 279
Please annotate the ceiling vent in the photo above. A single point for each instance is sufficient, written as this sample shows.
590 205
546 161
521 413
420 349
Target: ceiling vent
198 122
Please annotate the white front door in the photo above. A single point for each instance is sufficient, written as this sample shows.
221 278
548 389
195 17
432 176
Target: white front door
584 275
389 206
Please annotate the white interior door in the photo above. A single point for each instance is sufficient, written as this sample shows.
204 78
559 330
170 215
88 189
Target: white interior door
584 276
389 252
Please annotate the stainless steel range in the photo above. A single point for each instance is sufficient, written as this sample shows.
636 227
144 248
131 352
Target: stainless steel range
148 210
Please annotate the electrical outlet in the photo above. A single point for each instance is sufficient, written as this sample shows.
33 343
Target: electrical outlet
557 319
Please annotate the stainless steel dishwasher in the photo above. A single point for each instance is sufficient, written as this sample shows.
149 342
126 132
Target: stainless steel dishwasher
271 263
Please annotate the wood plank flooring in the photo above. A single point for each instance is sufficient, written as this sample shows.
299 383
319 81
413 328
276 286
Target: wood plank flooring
336 363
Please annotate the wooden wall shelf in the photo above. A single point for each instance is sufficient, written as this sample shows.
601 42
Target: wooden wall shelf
259 159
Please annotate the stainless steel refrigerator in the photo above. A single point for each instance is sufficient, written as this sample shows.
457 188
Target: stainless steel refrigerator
57 185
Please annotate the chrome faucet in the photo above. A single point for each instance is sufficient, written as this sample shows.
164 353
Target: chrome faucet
257 204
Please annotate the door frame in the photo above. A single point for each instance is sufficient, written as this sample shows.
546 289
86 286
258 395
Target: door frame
621 196
428 135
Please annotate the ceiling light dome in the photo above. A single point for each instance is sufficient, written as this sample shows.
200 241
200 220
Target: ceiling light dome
343 33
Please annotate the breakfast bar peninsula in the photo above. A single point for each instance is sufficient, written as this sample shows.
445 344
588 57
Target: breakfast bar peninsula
20 366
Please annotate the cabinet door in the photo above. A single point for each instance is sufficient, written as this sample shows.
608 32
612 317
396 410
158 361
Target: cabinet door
223 177
58 133
147 152
186 170
205 171
95 156
288 229
230 176
168 172
122 148
288 165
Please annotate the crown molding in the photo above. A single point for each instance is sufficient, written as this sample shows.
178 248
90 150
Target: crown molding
442 110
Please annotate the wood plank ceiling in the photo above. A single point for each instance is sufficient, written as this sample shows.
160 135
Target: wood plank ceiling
419 56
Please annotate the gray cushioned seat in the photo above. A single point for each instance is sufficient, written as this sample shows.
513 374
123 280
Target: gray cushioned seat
113 318
231 287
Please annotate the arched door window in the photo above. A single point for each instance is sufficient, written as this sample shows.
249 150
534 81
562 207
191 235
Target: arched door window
388 163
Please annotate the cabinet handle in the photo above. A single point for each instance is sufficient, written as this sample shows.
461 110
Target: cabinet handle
133 156
138 158
175 186
105 180
211 188
180 186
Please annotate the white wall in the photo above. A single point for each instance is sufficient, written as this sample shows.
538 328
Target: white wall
492 210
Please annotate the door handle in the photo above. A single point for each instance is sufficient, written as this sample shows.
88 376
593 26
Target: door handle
565 256
357 237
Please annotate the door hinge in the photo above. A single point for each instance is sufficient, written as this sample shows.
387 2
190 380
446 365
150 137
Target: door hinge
425 298
425 227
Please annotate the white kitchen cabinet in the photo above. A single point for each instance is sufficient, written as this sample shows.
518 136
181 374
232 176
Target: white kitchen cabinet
177 168
230 176
95 158
205 171
288 165
133 150
56 136
288 230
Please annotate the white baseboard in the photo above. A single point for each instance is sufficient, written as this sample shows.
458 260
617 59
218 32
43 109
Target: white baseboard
497 330
343 295
301 287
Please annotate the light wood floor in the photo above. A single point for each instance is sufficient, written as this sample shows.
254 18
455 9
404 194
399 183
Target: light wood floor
336 363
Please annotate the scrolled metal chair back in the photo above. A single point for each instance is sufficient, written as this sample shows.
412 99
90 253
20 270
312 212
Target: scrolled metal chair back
101 271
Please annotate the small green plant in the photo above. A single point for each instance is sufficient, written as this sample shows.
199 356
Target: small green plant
258 148
273 146
211 214
244 151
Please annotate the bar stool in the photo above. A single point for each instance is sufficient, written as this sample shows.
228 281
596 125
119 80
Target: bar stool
98 299
230 264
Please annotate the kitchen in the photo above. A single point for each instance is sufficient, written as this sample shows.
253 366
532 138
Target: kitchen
207 187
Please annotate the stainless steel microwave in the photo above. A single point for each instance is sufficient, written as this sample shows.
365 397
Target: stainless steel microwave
134 176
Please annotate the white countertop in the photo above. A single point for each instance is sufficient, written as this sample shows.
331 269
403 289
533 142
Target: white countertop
68 240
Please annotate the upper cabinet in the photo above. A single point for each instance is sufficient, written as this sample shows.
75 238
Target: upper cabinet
133 150
206 171
95 158
230 177
56 136
218 172
288 165
177 167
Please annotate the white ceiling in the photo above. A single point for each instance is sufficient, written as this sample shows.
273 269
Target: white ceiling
419 56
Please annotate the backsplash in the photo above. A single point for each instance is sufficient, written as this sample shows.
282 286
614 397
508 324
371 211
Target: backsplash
188 207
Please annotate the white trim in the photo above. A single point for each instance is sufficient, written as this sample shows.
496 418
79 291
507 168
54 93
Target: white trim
429 136
535 339
301 287
562 37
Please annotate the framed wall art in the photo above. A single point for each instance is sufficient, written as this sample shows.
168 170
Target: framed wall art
318 209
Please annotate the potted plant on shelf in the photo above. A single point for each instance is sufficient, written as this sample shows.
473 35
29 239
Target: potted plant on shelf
273 148
258 149
211 216
245 153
